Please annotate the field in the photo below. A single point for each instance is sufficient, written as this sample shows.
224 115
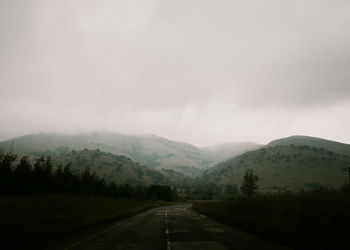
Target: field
317 219
28 220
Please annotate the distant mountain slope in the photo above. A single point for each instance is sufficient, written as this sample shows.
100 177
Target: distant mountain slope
120 169
149 150
215 154
337 147
293 167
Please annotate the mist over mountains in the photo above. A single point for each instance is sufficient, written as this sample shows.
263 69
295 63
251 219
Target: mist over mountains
150 150
119 169
293 163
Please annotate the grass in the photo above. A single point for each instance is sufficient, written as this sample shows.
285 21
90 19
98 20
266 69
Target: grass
317 219
34 218
283 167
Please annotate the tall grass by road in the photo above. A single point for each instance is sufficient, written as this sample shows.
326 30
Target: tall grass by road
27 220
318 219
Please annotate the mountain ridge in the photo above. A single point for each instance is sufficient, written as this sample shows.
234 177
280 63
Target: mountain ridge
303 140
118 169
286 162
151 150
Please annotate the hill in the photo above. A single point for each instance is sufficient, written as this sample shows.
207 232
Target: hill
150 150
278 167
146 149
298 140
215 154
119 169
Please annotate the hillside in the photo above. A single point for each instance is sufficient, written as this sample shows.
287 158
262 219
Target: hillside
298 140
150 150
215 154
147 149
291 167
119 169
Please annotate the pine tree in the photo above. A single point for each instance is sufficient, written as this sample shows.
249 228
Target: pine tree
38 175
23 176
6 178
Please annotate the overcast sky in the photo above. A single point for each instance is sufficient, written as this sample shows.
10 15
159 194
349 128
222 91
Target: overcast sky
201 71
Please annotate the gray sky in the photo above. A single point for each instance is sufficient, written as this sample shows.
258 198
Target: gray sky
202 71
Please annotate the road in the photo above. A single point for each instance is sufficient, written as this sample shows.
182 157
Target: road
171 228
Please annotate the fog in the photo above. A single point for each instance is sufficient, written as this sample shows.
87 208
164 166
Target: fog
203 72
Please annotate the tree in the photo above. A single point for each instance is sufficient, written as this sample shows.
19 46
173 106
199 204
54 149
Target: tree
207 191
48 173
162 192
38 175
87 181
23 176
231 190
250 183
6 160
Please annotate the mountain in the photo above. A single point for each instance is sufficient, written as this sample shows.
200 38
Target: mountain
292 167
294 162
150 150
298 140
119 169
215 154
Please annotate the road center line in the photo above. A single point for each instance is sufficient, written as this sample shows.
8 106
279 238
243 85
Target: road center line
167 231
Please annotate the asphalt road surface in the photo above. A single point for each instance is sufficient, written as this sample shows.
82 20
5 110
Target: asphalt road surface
171 228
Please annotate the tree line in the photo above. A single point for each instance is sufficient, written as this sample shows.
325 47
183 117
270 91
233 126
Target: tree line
41 177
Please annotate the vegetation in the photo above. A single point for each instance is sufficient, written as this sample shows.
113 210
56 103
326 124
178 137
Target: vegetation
216 154
25 179
316 219
64 176
38 201
283 167
30 220
153 151
58 189
191 172
120 169
148 150
87 187
250 183
313 142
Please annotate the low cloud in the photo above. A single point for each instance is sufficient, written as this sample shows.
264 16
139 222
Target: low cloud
198 71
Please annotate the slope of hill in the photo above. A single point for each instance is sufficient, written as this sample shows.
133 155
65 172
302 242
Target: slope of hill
119 169
149 150
215 154
298 140
291 167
